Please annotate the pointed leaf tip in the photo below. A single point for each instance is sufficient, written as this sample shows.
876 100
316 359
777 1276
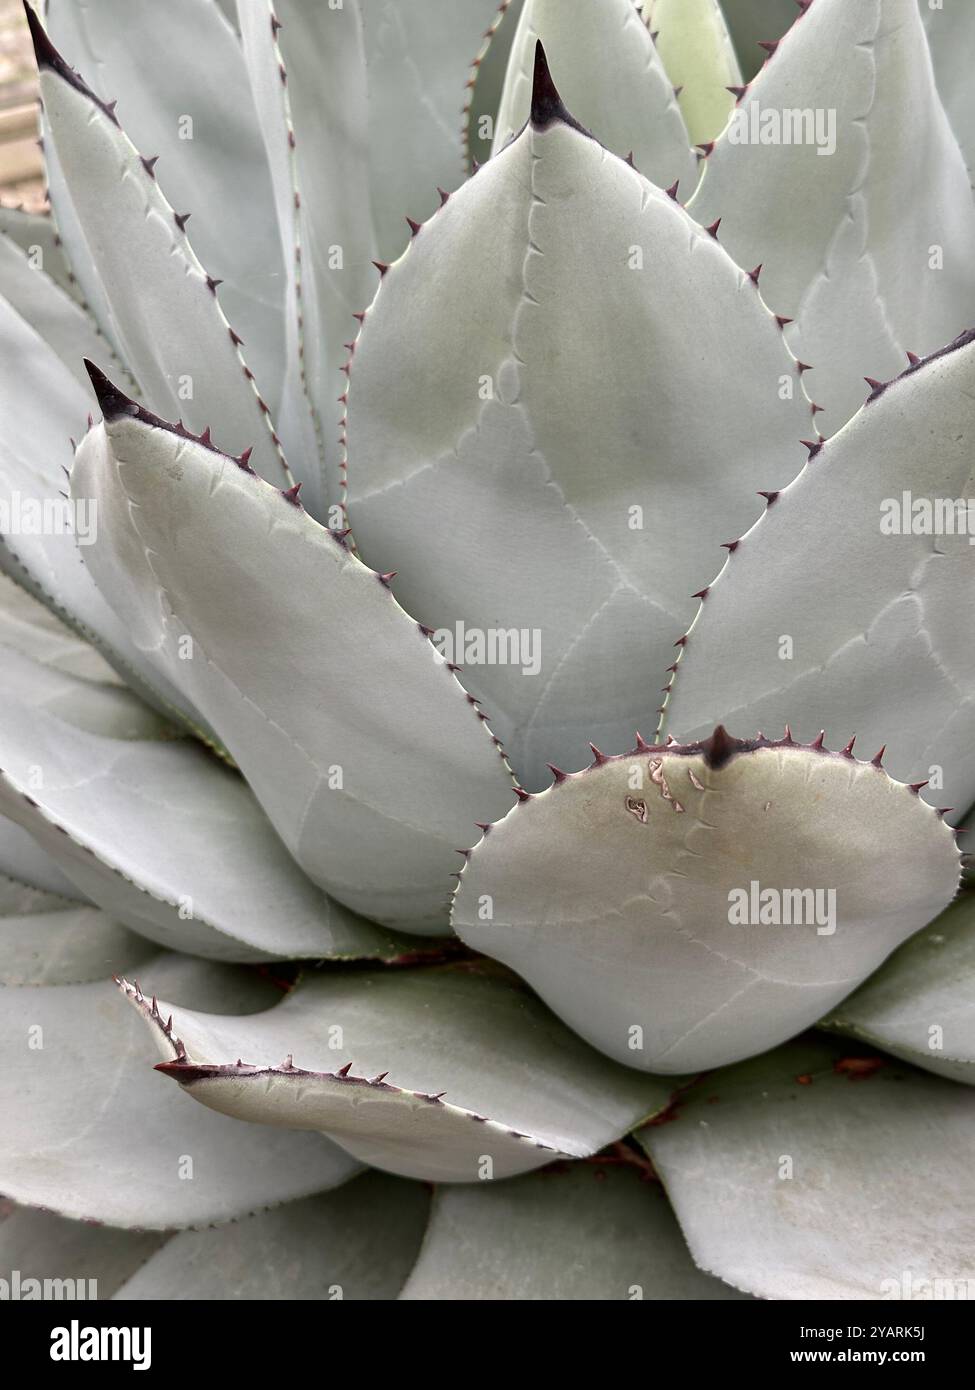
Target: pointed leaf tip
547 105
114 402
719 747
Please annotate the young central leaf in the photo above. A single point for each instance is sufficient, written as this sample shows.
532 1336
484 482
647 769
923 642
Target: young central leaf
683 907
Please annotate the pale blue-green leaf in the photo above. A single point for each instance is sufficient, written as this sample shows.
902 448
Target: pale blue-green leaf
47 939
612 79
840 609
365 752
452 1073
813 1174
172 331
529 447
582 1231
69 1259
682 908
357 1243
191 108
154 830
841 175
36 234
921 1004
950 28
89 1132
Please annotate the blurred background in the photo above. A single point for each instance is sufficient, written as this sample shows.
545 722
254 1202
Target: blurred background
21 179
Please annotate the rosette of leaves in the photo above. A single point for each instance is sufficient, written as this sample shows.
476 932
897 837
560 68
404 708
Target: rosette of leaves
312 442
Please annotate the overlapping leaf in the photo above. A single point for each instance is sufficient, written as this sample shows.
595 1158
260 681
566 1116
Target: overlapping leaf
841 174
88 1134
921 1004
393 1067
528 448
154 830
363 750
685 907
820 1173
841 608
589 1231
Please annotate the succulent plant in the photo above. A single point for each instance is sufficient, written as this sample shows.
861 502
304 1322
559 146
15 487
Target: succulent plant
309 605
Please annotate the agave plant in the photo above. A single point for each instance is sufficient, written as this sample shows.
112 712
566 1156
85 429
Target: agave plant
309 605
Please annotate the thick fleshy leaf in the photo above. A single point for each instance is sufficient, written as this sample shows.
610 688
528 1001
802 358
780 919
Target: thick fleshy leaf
418 64
578 1231
782 1177
71 238
88 1133
357 1243
951 34
42 407
361 109
295 186
612 80
154 830
60 320
46 939
192 110
756 22
171 329
921 1004
68 1259
695 48
22 858
34 631
392 1066
841 174
683 907
487 82
36 234
560 478
840 609
365 752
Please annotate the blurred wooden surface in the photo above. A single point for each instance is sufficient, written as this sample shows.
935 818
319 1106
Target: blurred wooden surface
21 171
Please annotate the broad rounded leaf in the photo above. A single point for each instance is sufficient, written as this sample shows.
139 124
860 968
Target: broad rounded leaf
783 1176
451 1073
363 750
357 1243
537 484
841 174
921 1004
579 1231
154 830
87 1133
612 79
849 574
683 907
